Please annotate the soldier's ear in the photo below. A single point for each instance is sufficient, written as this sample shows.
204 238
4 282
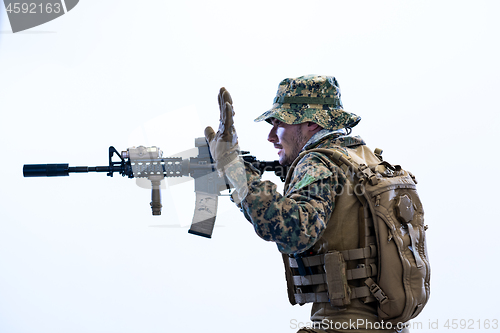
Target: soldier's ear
313 127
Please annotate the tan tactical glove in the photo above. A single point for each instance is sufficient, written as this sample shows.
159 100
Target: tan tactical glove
224 147
223 144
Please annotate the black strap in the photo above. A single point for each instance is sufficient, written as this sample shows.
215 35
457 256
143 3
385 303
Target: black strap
307 100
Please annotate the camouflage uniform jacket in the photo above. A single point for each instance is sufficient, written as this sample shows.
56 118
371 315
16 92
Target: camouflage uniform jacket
297 219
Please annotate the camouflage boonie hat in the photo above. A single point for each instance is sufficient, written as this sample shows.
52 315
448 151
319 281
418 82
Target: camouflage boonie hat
310 98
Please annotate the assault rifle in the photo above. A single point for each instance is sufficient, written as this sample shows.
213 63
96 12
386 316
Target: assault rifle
148 162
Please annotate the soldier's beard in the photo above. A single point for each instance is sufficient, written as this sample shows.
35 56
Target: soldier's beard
296 145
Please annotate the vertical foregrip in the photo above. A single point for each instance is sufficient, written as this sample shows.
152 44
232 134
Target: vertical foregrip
155 197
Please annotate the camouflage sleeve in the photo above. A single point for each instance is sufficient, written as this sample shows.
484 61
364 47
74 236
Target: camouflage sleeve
297 220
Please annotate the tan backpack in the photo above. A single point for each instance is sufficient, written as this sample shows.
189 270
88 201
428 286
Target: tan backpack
392 205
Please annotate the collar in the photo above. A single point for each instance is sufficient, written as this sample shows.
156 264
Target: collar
318 136
327 138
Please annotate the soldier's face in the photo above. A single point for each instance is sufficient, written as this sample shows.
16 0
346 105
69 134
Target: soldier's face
288 139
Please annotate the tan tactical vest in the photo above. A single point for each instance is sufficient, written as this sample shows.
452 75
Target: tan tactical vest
381 260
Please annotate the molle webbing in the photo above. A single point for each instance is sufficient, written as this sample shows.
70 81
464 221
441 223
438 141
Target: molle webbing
328 272
355 254
351 274
323 297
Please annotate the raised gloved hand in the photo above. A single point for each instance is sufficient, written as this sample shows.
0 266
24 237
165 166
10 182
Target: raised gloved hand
225 150
223 144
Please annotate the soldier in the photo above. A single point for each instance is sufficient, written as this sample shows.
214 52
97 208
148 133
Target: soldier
318 212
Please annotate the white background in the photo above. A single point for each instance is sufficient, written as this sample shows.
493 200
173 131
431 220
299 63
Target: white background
83 253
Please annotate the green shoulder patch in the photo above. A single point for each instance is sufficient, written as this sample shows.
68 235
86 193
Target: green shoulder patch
309 179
